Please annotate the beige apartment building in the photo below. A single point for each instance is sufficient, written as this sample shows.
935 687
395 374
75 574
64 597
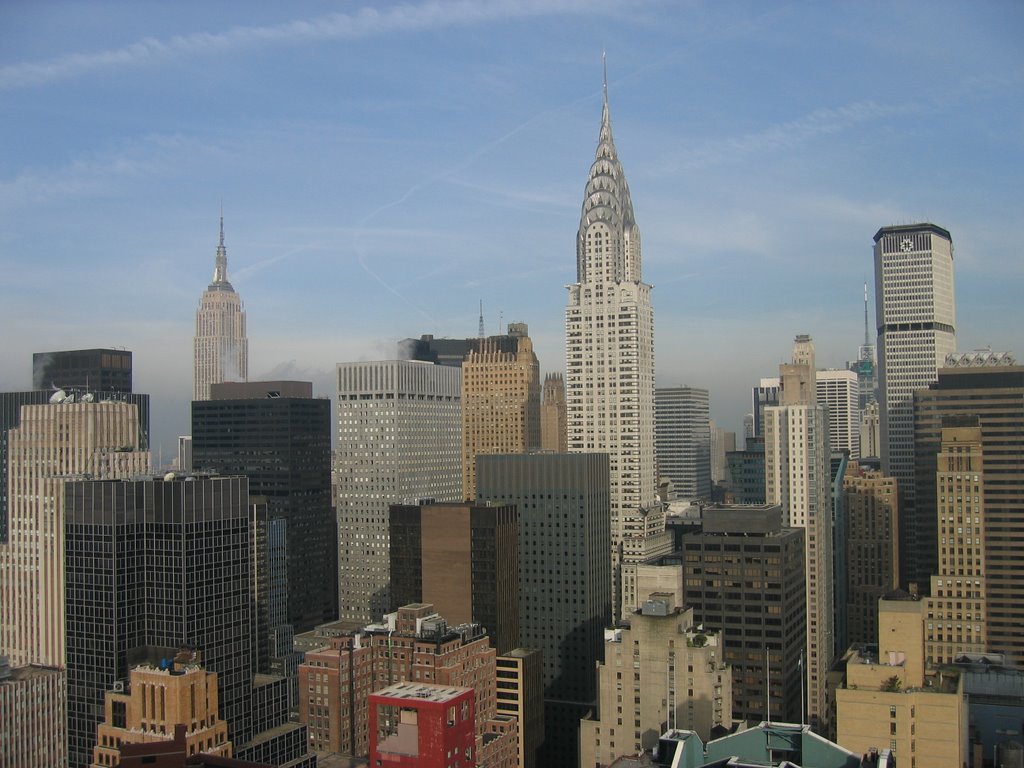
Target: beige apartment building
500 400
159 698
660 672
894 702
957 609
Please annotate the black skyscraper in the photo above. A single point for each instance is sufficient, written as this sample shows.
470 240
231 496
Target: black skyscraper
279 436
152 566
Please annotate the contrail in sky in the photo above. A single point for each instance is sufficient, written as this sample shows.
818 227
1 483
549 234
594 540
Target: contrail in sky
366 22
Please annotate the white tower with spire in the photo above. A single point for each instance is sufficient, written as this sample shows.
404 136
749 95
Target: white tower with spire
609 344
220 348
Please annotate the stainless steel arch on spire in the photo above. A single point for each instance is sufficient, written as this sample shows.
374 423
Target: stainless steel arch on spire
607 207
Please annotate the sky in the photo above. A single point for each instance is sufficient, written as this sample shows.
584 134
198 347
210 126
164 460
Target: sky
384 167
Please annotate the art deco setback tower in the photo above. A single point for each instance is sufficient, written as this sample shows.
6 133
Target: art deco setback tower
220 349
500 400
609 345
915 313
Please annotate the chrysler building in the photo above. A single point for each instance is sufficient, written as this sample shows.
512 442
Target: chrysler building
220 349
609 345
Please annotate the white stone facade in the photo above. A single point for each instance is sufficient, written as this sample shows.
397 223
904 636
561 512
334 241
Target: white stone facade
609 329
839 392
915 310
399 440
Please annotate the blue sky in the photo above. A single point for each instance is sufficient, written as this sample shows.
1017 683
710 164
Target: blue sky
384 167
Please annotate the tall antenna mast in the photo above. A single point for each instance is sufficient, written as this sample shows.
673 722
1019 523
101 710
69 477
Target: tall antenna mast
481 331
867 340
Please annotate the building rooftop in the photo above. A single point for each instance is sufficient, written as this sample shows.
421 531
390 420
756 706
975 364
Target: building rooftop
421 692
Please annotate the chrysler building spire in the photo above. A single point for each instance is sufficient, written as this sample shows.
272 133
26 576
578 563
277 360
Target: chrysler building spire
609 344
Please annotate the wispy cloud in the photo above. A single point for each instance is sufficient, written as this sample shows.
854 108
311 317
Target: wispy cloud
98 173
786 135
365 22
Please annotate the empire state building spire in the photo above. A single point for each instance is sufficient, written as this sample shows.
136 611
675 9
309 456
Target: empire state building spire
609 345
220 268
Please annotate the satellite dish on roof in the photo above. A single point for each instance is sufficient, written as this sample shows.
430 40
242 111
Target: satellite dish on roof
69 399
58 396
88 397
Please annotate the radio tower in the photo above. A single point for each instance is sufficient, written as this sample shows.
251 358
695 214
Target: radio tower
480 332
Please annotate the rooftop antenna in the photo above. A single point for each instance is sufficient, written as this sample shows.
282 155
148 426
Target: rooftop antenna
866 338
481 330
604 64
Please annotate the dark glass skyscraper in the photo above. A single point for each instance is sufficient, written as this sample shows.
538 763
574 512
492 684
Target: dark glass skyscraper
564 576
153 566
279 436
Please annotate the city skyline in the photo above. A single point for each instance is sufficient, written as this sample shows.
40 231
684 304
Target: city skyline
384 169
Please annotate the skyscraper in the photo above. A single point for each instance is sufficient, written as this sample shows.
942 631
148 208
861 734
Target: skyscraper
53 443
399 425
915 311
609 342
500 400
463 559
683 439
987 389
220 348
564 582
838 391
154 566
279 436
798 477
553 435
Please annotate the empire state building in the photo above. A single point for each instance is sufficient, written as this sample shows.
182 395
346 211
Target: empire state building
609 343
220 348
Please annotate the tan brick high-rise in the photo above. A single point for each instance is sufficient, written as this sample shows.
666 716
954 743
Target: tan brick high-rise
554 435
500 400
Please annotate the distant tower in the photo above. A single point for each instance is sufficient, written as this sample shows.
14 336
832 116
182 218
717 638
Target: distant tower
609 343
915 310
553 435
838 391
399 424
220 348
865 366
683 439
500 400
798 477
